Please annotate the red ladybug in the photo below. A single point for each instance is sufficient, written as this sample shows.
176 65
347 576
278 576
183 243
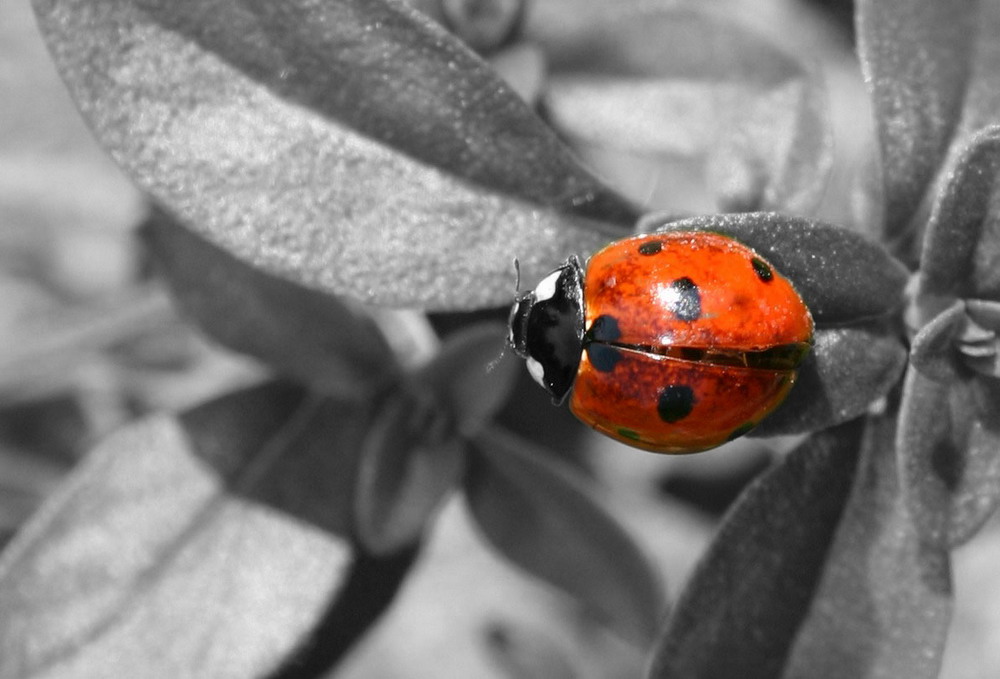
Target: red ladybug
673 342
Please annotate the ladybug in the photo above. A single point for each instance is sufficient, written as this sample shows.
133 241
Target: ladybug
673 342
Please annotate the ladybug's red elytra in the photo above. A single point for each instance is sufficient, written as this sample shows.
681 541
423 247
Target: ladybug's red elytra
672 342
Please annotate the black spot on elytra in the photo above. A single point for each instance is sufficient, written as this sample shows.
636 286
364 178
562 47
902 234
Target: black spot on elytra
604 329
686 299
675 403
650 247
604 358
762 269
741 430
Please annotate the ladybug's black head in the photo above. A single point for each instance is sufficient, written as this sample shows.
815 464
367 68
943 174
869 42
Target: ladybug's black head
546 328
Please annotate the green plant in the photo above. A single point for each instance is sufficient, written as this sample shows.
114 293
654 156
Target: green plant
324 177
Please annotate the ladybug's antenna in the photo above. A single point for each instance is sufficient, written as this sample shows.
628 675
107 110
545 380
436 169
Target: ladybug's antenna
491 366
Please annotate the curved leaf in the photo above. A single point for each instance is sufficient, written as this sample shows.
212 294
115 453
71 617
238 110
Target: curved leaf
763 568
883 606
410 459
916 57
484 26
848 370
934 352
308 334
841 275
528 654
353 147
543 518
472 376
150 530
414 452
949 449
979 343
680 81
961 250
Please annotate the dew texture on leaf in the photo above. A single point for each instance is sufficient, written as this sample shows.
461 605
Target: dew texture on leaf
961 250
842 275
354 147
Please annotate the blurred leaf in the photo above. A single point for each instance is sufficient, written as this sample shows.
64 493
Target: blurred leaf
847 371
312 468
149 541
47 351
354 147
542 516
53 429
414 452
523 67
683 82
410 459
961 251
310 335
370 588
982 96
528 654
916 57
842 276
883 606
483 24
473 375
949 448
741 610
26 479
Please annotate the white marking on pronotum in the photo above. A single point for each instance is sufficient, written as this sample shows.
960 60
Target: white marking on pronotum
547 287
536 370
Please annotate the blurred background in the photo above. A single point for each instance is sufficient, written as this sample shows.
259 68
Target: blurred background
89 340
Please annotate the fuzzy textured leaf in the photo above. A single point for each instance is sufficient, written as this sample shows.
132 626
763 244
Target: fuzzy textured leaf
843 277
542 517
847 371
148 529
883 606
916 56
310 335
961 251
949 448
763 568
354 147
680 81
